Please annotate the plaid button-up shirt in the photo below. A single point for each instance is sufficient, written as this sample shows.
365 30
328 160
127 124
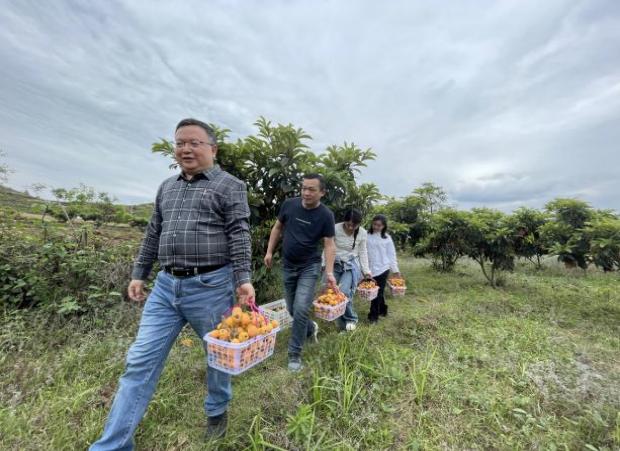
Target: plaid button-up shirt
200 222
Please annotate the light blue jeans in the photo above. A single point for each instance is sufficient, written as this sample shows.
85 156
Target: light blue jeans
299 285
344 279
200 301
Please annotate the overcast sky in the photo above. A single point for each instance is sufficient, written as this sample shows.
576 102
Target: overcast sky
503 103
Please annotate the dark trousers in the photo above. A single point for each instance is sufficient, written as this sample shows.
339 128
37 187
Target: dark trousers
377 305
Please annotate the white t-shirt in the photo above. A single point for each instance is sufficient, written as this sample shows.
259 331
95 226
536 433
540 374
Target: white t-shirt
381 254
345 250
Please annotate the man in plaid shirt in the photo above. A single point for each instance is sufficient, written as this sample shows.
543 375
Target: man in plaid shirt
200 233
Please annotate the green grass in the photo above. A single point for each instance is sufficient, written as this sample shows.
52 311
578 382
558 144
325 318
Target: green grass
456 365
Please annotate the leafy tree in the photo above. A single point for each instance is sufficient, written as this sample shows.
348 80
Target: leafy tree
362 197
433 197
405 217
447 240
491 243
86 203
564 234
526 224
603 234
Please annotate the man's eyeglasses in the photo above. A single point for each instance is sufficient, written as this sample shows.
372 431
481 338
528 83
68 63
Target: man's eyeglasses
194 144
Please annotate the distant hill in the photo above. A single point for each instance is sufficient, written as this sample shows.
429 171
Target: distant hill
18 200
23 202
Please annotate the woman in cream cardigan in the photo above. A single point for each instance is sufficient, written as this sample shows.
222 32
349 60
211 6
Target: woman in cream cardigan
351 263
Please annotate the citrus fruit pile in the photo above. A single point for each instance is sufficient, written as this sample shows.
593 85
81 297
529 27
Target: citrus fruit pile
330 297
367 284
397 282
241 326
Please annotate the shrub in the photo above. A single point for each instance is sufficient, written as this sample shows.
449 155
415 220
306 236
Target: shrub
447 239
491 243
59 273
604 237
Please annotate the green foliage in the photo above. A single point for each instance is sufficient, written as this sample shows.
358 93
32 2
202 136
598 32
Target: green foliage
340 165
432 197
406 220
88 204
490 242
526 224
410 216
564 234
603 234
138 222
60 273
399 233
17 200
447 239
573 212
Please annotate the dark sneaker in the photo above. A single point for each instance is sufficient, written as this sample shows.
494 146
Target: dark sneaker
294 364
216 426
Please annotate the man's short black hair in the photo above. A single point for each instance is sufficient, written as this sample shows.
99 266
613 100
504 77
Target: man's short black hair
206 127
318 177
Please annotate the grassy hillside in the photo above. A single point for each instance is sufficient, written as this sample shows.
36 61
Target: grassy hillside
17 200
456 365
24 203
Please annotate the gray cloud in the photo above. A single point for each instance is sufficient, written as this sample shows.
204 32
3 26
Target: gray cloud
502 103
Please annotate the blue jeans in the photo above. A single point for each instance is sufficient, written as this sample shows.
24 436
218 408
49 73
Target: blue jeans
299 285
200 301
344 279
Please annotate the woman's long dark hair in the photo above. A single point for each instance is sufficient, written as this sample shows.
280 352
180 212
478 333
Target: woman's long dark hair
383 220
355 216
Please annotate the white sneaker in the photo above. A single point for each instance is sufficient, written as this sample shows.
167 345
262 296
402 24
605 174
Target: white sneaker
351 327
316 332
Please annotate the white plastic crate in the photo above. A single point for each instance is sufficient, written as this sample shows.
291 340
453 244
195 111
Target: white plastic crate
277 310
329 312
396 291
367 294
235 358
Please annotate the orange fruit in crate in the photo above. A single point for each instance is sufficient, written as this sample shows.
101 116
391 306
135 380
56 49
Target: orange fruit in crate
252 331
224 334
274 323
366 284
245 319
243 336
